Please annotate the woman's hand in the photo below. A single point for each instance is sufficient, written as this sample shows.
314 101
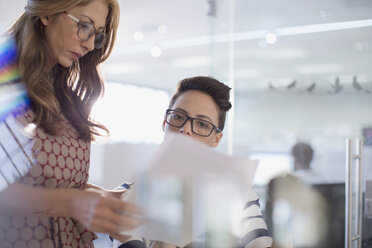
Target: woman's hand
117 193
97 210
102 212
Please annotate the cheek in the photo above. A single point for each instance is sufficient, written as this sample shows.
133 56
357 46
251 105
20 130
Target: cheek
59 38
68 37
210 141
169 128
67 34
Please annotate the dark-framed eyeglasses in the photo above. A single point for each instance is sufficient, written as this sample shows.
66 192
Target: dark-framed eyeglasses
86 30
198 126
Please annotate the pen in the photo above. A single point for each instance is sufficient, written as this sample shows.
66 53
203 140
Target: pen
125 186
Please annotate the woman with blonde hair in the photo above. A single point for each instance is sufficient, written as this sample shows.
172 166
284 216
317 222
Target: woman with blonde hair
60 45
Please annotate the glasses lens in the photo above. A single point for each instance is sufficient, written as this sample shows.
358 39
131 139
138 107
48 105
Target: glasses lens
100 40
175 118
85 31
202 127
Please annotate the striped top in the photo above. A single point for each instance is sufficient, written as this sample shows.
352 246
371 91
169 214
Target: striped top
253 226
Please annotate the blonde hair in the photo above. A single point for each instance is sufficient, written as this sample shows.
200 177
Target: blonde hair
73 90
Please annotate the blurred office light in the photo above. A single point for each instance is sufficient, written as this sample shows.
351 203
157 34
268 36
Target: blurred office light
132 114
271 38
324 27
155 51
162 29
138 36
251 35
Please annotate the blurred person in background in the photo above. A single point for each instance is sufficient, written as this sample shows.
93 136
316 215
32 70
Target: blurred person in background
302 154
298 209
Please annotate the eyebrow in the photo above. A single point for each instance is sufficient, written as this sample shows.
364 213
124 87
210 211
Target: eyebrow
91 21
198 116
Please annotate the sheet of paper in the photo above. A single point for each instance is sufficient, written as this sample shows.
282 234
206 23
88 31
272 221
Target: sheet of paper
188 190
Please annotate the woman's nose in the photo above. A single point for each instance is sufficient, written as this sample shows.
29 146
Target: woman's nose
89 44
186 128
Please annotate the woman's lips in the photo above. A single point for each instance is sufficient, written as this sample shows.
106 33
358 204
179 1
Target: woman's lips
76 55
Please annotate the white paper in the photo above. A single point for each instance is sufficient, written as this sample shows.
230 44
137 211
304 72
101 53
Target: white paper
188 189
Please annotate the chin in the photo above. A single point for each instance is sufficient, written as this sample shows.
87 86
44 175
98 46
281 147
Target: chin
65 65
65 62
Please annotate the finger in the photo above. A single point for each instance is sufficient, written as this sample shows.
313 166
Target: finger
122 206
122 221
105 225
129 223
117 193
128 208
107 221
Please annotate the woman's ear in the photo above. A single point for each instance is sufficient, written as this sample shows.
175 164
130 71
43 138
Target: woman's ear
163 126
44 20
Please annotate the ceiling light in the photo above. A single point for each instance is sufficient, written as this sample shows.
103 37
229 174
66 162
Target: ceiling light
248 35
162 29
324 27
155 51
270 38
138 36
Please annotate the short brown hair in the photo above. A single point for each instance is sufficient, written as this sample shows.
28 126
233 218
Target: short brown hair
220 93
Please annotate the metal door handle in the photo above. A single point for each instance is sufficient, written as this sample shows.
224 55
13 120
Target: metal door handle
349 237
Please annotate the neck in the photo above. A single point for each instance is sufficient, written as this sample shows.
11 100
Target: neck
301 167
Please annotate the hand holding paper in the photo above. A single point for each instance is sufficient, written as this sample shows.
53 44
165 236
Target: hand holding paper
190 191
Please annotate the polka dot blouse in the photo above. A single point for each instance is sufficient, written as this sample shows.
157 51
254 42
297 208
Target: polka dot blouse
61 162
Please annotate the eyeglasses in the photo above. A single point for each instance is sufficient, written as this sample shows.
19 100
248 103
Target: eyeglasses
198 126
86 30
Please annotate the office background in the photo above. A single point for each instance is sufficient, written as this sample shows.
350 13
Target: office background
300 71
